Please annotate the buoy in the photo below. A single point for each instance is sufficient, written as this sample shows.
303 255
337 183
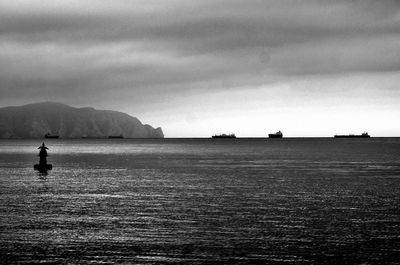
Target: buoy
43 166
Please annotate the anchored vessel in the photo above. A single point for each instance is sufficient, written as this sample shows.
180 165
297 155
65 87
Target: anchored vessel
232 135
363 135
43 166
278 134
49 136
116 136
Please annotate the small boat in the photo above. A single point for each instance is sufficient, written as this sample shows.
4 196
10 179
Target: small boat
116 136
224 136
363 135
278 134
49 136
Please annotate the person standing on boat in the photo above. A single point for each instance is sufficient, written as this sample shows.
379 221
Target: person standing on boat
42 154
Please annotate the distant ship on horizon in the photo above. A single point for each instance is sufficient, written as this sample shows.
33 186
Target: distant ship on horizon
363 135
116 136
232 135
49 136
278 134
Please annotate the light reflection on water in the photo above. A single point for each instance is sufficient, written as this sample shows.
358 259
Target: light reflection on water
296 201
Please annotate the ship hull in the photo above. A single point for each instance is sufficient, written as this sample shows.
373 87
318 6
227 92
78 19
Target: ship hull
224 136
275 136
51 136
352 136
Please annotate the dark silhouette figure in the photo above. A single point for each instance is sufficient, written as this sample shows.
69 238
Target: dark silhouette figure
43 154
43 166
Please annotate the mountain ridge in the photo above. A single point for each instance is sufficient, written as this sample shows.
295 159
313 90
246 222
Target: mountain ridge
36 119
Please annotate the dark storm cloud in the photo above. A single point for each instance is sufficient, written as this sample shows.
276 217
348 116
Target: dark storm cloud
154 48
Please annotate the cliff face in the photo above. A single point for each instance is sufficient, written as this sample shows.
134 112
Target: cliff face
35 120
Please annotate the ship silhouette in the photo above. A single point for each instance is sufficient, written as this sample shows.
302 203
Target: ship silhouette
50 136
116 136
224 136
278 134
363 135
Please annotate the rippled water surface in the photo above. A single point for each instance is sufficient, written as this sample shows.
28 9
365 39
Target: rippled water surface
201 201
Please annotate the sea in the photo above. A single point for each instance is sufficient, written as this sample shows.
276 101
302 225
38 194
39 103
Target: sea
201 201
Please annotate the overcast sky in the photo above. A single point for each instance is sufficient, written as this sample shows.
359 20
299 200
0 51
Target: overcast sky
195 68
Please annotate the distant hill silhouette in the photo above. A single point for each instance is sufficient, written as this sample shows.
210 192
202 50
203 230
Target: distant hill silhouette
35 120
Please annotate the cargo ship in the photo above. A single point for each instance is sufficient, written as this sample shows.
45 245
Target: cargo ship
278 134
116 136
363 135
224 136
49 136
